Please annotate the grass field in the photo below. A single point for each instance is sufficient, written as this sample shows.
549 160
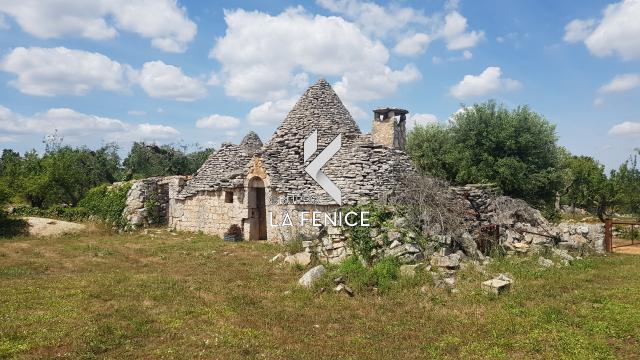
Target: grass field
179 296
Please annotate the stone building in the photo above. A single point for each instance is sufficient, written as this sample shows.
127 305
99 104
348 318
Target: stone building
257 186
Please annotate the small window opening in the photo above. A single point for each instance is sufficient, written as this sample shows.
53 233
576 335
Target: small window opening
228 197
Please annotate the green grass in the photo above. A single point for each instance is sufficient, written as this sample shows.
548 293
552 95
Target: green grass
100 295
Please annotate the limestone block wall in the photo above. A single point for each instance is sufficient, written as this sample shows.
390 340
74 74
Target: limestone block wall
209 212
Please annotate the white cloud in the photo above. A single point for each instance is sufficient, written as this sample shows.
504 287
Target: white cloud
365 85
621 83
373 18
145 132
626 129
578 30
455 32
618 32
160 80
598 102
271 112
412 45
163 21
60 71
76 124
421 120
216 121
489 81
268 58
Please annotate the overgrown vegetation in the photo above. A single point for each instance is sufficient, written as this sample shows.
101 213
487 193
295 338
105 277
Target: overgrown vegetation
359 237
107 203
517 150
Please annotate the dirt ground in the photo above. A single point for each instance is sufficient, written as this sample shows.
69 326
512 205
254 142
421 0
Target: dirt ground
623 246
51 227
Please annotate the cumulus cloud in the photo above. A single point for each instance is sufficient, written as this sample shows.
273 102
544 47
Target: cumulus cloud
618 32
145 132
73 123
412 45
489 81
373 18
160 80
271 112
364 85
621 83
455 32
267 58
62 71
578 30
216 121
163 21
626 129
421 120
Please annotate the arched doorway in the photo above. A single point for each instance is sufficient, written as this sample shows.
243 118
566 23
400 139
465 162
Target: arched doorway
257 210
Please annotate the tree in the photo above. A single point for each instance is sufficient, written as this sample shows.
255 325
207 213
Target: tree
147 160
583 181
487 143
625 183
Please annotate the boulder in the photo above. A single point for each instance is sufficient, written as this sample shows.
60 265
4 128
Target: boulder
312 275
498 285
467 244
301 258
448 261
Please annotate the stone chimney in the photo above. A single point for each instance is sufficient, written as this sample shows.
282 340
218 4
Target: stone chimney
389 127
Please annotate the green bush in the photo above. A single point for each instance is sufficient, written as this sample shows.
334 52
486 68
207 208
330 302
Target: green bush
359 237
360 277
54 212
107 203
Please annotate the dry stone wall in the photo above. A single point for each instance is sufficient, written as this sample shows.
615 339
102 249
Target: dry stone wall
156 195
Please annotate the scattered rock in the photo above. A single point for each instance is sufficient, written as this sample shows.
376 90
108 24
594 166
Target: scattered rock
449 261
409 270
544 262
498 285
312 275
276 258
395 244
301 258
345 289
563 254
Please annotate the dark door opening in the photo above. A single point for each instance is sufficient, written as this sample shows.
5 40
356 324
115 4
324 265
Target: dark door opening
257 210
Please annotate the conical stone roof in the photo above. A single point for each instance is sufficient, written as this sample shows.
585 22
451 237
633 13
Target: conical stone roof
224 168
319 109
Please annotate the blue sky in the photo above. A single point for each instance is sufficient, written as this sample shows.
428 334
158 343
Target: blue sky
209 71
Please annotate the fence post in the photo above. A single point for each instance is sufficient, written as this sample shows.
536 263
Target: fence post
608 238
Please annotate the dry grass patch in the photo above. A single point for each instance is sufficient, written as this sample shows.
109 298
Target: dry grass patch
160 295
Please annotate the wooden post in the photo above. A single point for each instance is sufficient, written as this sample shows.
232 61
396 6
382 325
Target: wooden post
608 238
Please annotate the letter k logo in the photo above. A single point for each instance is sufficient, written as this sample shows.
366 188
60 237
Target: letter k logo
314 169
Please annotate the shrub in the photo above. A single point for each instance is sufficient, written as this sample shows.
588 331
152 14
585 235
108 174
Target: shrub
54 212
359 237
380 276
107 203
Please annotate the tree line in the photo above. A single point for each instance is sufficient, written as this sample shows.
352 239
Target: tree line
63 174
518 151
